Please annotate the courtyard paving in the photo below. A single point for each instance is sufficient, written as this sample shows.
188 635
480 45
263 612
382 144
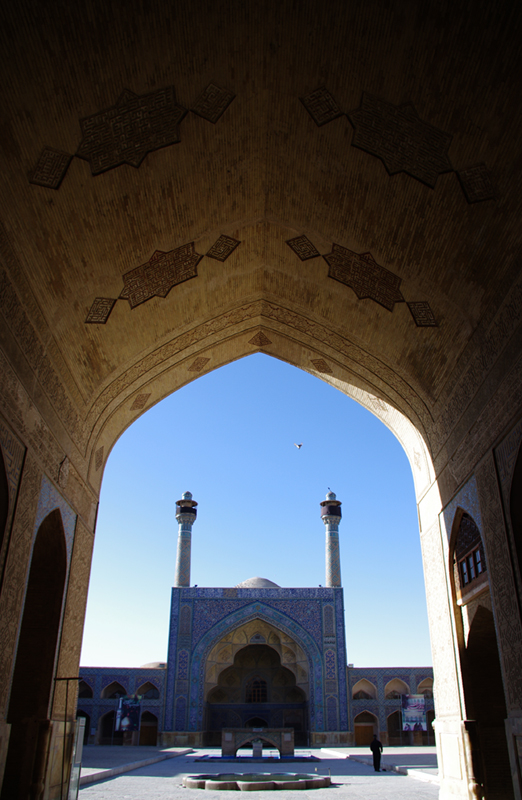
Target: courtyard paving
351 780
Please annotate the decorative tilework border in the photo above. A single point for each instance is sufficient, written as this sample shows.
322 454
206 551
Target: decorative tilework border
341 658
172 660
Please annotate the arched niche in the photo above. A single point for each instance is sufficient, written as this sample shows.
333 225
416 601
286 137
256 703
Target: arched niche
105 730
366 725
222 654
84 690
395 688
148 691
113 691
425 687
32 684
396 736
485 706
148 729
257 685
364 690
468 565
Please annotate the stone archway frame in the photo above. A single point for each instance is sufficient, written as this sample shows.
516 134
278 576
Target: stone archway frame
284 333
257 610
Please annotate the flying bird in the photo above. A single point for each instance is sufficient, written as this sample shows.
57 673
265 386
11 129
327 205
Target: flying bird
298 445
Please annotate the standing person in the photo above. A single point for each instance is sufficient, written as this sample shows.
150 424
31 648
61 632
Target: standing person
376 748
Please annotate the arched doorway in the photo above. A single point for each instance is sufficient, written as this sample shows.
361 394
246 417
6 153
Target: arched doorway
481 671
106 733
396 736
486 703
32 684
365 725
257 690
148 729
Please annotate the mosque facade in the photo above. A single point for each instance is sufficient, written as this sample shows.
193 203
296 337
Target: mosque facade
255 655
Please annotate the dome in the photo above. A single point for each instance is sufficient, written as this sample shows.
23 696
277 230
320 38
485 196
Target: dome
257 583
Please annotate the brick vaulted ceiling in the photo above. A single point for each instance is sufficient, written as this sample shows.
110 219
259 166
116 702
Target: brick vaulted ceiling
355 162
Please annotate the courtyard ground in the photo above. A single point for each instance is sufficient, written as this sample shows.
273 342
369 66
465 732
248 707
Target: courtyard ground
351 779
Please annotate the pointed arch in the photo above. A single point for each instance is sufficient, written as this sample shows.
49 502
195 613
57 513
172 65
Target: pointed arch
364 690
113 691
148 691
32 684
257 611
84 690
394 689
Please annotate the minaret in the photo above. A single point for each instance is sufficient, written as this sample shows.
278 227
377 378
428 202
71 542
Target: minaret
331 516
186 516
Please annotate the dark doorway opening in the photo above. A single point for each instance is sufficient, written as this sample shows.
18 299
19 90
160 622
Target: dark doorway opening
106 732
487 706
34 666
148 729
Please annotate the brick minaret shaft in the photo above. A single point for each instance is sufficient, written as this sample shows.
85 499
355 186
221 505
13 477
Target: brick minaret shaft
186 515
331 516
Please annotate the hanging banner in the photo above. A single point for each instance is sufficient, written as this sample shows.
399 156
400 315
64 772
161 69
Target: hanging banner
413 712
128 714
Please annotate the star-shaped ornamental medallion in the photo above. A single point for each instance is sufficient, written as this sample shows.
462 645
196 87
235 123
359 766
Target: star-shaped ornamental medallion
160 274
126 132
361 273
403 141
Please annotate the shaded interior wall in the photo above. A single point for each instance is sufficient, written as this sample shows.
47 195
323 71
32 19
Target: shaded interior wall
515 509
486 705
4 500
34 666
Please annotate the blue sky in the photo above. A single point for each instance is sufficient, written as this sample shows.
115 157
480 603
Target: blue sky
228 437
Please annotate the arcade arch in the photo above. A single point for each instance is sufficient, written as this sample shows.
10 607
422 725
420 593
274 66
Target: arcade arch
366 725
113 691
395 688
364 690
148 729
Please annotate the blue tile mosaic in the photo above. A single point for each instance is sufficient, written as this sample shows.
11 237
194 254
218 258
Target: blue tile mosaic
168 721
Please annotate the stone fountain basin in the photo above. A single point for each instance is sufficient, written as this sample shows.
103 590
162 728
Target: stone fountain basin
256 781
